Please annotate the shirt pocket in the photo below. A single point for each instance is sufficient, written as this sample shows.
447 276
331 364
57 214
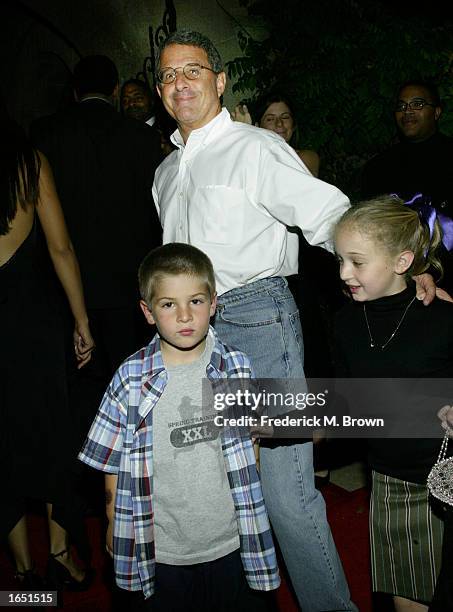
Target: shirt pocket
217 214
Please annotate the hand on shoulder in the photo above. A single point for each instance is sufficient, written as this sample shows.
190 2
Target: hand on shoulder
427 289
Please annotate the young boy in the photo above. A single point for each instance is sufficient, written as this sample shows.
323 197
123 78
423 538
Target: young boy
184 502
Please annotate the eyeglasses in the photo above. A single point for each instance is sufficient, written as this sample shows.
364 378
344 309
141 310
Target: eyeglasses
190 71
416 104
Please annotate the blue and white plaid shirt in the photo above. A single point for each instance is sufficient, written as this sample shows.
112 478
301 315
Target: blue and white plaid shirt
120 441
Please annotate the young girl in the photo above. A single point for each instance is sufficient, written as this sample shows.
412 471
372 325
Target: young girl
387 333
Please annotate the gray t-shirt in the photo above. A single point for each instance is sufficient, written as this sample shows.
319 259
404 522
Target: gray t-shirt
194 514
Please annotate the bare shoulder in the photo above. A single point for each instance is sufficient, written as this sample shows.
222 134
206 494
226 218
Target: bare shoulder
310 159
45 170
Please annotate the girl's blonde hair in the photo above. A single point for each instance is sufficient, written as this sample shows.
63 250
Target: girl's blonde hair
397 227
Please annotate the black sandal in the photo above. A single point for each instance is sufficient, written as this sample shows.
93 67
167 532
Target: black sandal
29 580
60 577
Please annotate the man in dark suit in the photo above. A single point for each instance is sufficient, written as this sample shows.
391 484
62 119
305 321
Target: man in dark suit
104 167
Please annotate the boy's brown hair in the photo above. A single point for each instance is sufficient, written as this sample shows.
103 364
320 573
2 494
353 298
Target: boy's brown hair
170 260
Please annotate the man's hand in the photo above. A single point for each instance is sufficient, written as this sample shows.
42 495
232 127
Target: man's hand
427 289
443 295
445 415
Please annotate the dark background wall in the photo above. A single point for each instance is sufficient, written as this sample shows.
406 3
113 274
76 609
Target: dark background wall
41 40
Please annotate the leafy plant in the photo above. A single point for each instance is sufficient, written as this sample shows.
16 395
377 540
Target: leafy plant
340 63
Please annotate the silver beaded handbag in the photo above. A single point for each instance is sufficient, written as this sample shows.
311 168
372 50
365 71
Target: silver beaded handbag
440 478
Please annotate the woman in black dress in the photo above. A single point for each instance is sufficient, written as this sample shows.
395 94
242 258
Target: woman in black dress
34 414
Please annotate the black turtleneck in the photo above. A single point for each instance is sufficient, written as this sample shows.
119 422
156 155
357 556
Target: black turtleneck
421 348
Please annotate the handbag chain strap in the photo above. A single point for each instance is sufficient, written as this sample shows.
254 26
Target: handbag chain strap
443 448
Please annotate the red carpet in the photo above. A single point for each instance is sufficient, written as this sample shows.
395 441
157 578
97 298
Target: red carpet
348 517
347 513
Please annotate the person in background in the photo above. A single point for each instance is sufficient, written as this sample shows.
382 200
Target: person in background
137 102
36 422
104 166
275 113
420 162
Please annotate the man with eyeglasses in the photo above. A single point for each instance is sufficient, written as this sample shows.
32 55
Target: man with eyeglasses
233 190
422 160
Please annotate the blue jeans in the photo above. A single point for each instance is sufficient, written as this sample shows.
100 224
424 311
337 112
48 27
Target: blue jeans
262 320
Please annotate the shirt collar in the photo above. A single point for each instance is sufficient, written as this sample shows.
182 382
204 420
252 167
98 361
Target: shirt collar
216 362
96 97
154 374
153 363
205 134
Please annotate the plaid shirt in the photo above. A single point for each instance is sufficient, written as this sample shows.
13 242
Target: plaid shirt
120 441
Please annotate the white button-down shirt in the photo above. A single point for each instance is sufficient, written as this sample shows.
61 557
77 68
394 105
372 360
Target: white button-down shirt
232 190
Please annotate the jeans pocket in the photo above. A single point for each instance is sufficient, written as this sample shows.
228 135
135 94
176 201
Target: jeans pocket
247 317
